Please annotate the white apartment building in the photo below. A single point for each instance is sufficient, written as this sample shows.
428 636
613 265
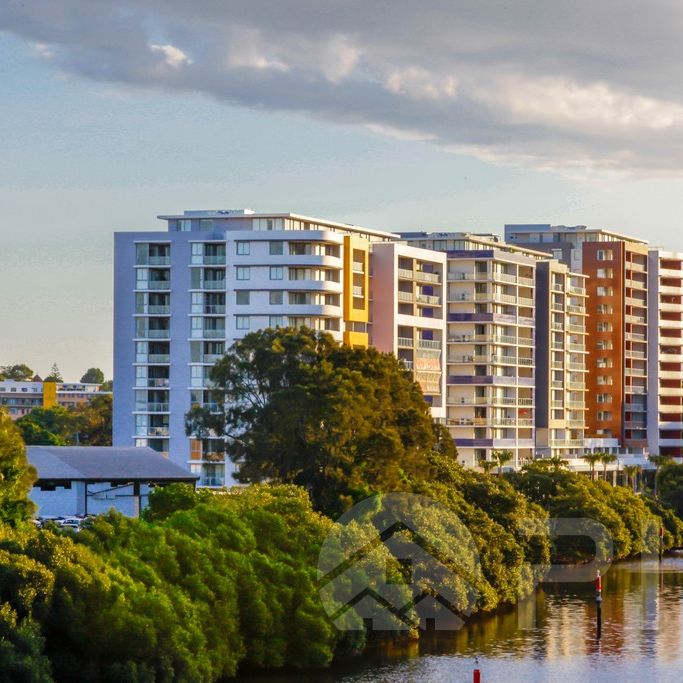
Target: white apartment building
665 353
409 314
183 296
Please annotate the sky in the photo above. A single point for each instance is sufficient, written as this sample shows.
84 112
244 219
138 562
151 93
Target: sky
397 115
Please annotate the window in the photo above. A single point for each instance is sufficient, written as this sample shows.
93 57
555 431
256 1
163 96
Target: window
276 249
604 380
242 322
243 248
276 273
605 255
605 273
242 298
276 321
243 273
300 298
604 416
268 224
206 224
276 298
604 327
604 398
557 254
605 345
605 291
605 309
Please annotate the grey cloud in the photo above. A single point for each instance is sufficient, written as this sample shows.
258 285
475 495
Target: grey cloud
560 85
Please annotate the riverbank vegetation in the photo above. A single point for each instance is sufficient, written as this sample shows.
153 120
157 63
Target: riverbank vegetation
209 583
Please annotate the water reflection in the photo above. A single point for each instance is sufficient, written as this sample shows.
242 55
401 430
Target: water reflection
551 636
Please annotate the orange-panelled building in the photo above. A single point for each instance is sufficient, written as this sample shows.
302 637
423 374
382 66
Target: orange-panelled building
617 341
617 324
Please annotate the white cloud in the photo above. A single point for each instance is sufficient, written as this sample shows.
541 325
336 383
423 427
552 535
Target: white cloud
592 83
173 56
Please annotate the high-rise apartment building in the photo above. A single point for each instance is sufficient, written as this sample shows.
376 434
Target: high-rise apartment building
182 297
560 392
409 314
665 361
616 266
496 335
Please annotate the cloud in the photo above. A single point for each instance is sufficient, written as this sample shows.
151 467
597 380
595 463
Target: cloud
588 84
173 56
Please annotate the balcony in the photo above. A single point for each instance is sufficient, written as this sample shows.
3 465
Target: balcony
159 358
158 261
428 299
213 334
405 342
423 276
212 284
154 334
213 260
153 408
155 285
213 309
428 344
153 382
358 292
408 297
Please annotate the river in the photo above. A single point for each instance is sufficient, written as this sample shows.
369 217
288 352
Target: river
550 637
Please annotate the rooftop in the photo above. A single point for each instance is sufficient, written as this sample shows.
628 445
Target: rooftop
511 228
104 464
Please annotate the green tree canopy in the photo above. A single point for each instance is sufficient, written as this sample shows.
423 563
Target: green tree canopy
341 422
93 376
16 475
48 426
19 373
55 374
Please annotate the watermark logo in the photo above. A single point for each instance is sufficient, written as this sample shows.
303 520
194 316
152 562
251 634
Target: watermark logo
400 561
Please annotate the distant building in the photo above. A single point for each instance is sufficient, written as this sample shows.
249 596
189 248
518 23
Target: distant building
20 398
85 480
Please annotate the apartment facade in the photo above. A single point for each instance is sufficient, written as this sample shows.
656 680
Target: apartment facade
409 314
617 325
20 398
183 296
561 354
491 332
665 359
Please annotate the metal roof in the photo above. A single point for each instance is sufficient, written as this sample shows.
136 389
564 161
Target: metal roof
104 463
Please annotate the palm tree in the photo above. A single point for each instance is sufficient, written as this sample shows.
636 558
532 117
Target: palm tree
658 461
606 459
631 472
592 459
556 463
486 465
501 458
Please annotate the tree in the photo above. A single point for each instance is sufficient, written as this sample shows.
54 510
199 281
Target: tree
54 426
486 465
501 458
658 461
670 486
92 421
631 473
55 375
18 373
16 475
592 459
606 459
299 408
556 463
93 376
